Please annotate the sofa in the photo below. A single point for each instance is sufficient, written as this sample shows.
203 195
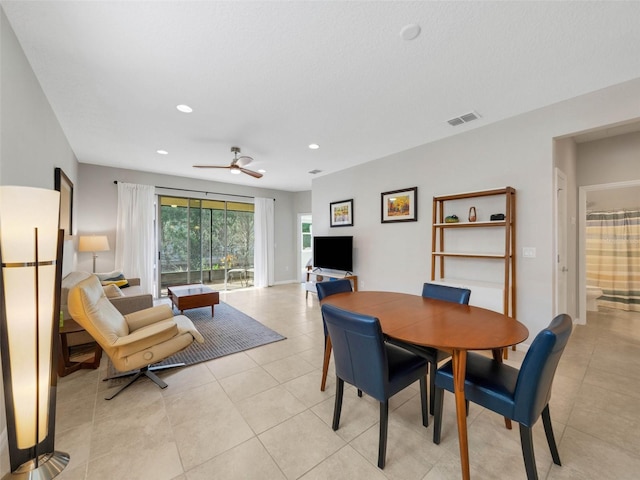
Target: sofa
126 300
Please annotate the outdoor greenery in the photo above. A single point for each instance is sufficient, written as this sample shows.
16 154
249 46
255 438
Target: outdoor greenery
201 235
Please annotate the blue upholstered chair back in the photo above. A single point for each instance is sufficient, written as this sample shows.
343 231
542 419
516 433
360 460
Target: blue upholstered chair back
358 349
446 293
533 388
332 287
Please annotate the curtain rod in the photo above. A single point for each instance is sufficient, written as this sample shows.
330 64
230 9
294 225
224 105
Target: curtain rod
201 191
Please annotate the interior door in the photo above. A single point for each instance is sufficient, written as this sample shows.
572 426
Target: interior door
561 269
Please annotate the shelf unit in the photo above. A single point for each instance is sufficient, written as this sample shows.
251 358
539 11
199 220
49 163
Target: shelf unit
507 254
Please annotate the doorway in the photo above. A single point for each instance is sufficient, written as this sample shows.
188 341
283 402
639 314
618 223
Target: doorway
586 201
205 241
305 244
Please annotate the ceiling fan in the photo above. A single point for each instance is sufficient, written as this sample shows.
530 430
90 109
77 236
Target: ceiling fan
237 164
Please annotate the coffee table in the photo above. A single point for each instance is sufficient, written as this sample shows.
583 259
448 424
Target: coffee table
185 297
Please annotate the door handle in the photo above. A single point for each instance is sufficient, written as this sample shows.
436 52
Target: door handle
564 269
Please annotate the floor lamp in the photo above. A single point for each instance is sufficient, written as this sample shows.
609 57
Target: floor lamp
93 243
31 260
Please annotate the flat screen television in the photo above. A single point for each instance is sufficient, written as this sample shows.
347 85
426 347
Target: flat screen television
333 253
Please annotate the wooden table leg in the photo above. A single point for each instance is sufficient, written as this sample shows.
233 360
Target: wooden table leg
459 358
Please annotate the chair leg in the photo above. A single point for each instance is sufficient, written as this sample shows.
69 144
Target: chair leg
432 385
337 409
325 365
155 379
526 438
423 399
551 440
360 393
143 372
384 423
437 415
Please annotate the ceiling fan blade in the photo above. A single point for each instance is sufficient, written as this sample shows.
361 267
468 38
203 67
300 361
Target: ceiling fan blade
251 172
211 166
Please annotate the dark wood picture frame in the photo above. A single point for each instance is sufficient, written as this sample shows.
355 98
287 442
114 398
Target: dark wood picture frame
399 205
65 186
341 213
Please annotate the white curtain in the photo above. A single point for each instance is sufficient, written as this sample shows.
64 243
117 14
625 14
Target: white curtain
134 233
264 248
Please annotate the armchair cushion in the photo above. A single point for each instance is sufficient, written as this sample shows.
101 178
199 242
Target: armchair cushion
145 317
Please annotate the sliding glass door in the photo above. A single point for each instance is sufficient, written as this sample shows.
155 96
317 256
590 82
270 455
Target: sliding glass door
205 241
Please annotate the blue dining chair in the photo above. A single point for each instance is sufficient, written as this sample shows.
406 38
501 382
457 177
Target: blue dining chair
324 290
521 395
433 355
364 360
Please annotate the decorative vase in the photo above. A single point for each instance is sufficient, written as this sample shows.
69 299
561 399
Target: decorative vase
472 214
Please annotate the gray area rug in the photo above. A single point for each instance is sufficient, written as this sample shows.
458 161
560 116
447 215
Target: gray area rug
229 331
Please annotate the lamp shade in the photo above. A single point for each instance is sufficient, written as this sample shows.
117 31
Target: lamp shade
93 243
30 250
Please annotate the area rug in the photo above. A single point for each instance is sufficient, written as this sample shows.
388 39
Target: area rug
229 331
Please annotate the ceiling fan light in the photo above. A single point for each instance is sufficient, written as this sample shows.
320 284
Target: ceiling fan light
236 171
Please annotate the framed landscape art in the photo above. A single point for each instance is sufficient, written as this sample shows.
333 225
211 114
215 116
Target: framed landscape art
341 213
400 205
63 185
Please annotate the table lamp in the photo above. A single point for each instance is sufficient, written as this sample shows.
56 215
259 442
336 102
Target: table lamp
31 272
93 243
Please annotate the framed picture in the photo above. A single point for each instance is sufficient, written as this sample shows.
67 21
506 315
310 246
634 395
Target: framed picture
63 185
400 205
341 213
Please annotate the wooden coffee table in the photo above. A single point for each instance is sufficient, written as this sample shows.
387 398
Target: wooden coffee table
185 297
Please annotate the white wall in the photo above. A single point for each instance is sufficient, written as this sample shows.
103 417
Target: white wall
32 144
517 152
98 199
610 160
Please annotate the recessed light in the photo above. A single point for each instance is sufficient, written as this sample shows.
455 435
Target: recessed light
314 146
162 152
185 108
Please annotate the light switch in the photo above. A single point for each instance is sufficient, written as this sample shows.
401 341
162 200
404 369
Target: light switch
529 252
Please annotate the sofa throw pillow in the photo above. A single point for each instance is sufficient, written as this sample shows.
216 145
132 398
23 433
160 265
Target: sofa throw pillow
117 280
112 291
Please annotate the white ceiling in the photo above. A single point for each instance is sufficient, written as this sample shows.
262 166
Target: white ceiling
273 77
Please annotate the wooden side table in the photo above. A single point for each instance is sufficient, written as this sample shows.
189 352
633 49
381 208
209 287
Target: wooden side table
65 364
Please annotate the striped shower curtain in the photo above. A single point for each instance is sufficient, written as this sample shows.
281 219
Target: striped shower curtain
613 257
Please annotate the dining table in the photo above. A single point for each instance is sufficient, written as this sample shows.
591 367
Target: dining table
447 326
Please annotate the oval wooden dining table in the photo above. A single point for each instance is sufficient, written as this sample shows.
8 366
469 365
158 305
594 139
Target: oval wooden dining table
435 323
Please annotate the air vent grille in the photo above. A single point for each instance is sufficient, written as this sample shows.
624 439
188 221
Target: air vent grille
314 172
466 118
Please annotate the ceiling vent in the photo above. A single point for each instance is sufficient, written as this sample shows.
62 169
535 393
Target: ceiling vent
466 118
314 172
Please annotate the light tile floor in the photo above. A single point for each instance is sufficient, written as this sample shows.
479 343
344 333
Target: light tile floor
260 414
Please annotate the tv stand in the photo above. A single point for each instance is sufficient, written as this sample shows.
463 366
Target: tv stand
315 275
